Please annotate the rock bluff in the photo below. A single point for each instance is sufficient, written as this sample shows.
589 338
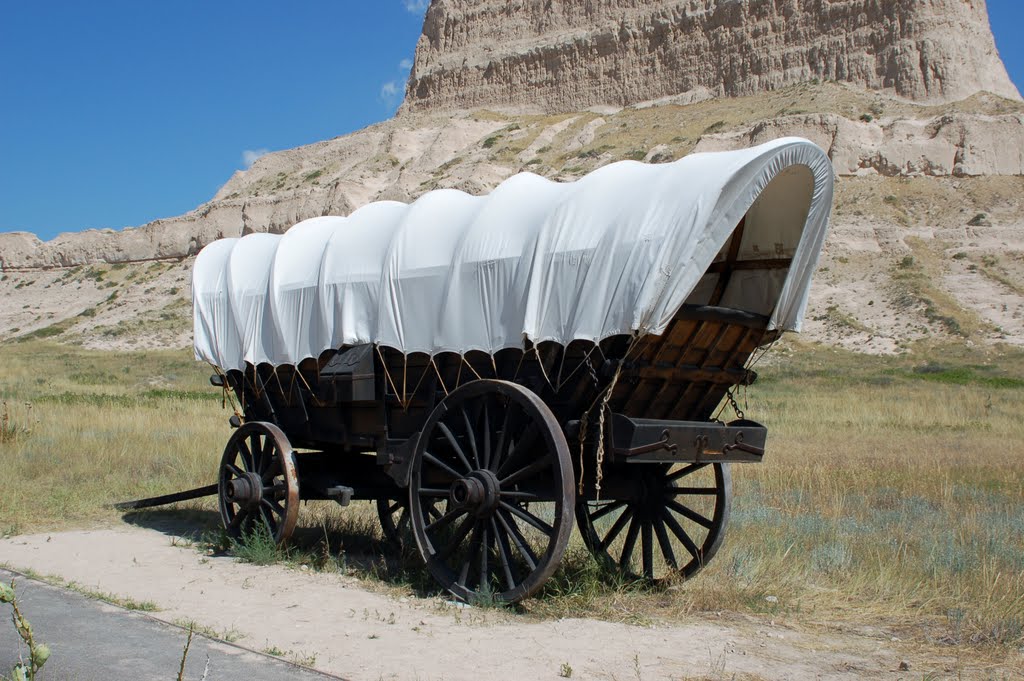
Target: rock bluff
567 55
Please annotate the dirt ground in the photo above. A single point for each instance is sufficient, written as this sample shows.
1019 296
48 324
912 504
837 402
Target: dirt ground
334 624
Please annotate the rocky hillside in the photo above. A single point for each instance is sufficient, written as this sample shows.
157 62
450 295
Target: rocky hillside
565 55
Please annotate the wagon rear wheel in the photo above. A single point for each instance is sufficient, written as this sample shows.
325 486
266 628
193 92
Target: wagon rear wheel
395 521
669 526
494 451
257 486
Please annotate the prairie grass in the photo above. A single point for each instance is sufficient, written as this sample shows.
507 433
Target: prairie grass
892 494
102 427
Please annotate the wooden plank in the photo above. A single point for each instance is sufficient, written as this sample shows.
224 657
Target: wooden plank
761 264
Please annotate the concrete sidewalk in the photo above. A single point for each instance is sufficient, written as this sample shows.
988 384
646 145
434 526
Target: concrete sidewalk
91 640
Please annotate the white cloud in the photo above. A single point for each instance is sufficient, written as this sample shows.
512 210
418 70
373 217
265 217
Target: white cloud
392 92
249 156
416 6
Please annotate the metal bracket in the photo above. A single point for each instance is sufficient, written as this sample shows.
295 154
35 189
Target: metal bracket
341 494
663 443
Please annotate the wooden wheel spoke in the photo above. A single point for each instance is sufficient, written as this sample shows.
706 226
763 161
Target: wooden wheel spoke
236 522
616 529
446 519
630 543
647 548
681 534
605 510
526 472
269 460
427 456
685 471
704 491
518 494
235 471
528 517
689 514
455 447
395 506
273 506
471 438
453 543
518 540
522 446
487 435
504 554
246 456
666 544
474 546
271 471
495 460
432 511
255 448
485 549
268 520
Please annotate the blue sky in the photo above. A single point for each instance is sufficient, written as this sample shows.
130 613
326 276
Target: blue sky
117 112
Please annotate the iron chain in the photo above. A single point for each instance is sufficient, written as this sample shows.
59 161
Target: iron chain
733 404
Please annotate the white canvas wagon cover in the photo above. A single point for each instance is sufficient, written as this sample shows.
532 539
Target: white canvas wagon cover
615 252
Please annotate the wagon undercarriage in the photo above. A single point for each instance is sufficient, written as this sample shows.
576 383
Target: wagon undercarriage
486 463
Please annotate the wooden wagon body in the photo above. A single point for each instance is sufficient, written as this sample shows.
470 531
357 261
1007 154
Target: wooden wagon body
488 459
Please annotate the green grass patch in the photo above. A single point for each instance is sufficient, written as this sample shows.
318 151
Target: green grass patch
963 376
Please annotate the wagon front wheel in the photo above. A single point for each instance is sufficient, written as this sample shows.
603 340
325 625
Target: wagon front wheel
258 489
667 524
494 452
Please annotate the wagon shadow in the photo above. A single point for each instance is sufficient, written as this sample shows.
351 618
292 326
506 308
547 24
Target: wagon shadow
353 545
355 548
188 524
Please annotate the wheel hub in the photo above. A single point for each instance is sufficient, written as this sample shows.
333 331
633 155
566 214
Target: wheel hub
478 492
246 490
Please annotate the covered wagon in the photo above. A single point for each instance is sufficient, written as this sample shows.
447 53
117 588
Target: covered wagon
489 369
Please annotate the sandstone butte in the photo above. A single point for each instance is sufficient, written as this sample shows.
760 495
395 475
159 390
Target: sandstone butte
569 55
555 56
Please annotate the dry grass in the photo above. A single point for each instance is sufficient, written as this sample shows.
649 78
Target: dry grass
930 201
914 289
892 494
103 427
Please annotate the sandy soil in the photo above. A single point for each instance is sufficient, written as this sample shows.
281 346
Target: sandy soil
359 634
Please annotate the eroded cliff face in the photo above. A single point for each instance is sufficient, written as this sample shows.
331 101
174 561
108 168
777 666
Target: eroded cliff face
568 55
